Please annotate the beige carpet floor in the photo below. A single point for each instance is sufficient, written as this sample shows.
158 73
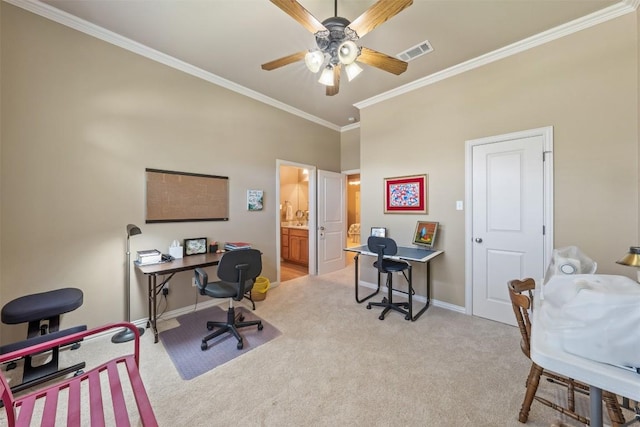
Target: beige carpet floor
337 364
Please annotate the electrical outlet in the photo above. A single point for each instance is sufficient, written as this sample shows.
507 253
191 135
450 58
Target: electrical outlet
165 289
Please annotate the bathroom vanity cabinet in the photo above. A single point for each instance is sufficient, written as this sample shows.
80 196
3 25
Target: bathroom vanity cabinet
294 245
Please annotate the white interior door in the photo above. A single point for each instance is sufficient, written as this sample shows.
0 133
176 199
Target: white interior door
508 219
331 227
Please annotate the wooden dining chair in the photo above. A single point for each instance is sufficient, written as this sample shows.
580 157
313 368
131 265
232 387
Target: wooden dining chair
521 294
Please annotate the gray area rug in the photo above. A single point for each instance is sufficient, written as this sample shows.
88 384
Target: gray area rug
183 342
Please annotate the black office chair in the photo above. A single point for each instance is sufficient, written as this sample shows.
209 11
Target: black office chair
237 272
385 246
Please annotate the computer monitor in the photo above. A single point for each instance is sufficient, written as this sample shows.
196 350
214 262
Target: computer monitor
425 234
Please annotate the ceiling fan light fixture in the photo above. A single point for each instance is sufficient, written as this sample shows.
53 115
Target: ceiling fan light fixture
348 52
326 78
352 70
313 60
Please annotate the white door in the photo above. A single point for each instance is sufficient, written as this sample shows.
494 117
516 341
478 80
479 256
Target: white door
508 219
331 227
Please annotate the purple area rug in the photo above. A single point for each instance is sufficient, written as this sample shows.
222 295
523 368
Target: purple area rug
183 342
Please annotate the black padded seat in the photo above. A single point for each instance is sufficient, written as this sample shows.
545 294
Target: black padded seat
43 305
42 311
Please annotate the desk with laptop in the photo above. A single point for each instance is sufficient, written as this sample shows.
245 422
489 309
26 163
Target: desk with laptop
424 239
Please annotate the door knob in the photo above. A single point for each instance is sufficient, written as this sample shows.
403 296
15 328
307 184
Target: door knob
478 240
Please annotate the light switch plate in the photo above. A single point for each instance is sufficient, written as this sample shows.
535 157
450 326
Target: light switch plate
459 205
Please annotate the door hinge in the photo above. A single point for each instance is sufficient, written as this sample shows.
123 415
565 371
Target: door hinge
544 155
544 230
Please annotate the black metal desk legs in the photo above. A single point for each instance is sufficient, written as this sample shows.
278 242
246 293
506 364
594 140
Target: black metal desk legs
423 309
154 289
151 322
358 300
410 291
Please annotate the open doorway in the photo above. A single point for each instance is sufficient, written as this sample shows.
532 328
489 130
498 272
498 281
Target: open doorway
294 221
353 213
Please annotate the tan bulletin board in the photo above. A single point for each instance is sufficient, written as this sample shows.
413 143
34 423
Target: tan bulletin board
180 197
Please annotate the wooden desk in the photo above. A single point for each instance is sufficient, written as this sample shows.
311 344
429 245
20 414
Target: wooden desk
547 351
405 254
152 272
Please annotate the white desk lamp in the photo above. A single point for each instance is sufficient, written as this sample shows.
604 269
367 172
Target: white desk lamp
126 334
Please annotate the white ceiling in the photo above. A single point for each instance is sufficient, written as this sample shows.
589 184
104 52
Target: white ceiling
232 38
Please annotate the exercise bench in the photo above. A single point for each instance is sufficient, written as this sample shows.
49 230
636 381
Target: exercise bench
102 396
42 311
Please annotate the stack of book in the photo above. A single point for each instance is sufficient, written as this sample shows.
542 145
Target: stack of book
232 246
151 256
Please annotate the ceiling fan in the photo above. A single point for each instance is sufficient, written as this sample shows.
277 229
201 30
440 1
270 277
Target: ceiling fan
335 39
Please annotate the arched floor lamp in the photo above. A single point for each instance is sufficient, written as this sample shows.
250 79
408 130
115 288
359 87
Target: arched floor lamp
127 334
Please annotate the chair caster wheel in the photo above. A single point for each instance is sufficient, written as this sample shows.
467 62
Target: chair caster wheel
78 373
260 326
384 300
241 318
209 327
381 317
368 306
12 365
203 346
240 345
407 317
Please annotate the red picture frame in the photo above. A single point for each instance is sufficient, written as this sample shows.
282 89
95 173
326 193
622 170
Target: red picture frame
406 194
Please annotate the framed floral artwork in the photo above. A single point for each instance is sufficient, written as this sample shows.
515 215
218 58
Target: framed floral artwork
406 194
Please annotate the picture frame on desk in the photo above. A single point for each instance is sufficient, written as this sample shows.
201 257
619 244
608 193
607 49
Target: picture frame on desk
425 234
379 231
195 246
406 194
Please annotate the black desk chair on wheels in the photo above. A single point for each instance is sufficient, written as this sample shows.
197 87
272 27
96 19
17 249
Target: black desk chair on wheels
237 272
385 246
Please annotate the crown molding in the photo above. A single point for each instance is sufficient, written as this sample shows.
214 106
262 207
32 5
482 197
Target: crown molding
599 17
350 127
66 19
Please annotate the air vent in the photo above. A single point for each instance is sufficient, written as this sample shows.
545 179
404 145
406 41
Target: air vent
416 51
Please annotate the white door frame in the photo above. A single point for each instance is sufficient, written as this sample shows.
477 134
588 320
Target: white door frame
312 215
547 135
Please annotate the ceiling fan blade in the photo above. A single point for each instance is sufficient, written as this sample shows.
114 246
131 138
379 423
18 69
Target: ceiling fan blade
286 60
378 14
382 61
300 14
333 90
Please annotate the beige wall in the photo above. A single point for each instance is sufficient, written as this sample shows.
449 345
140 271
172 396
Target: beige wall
584 85
82 119
350 150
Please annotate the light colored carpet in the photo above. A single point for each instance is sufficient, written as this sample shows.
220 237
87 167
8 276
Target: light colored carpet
337 364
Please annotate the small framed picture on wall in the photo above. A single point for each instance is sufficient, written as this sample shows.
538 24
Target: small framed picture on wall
254 200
